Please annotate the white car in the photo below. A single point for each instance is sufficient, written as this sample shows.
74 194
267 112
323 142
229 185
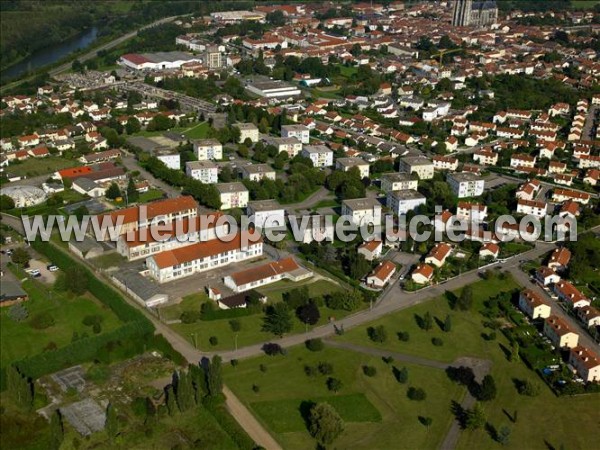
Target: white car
52 268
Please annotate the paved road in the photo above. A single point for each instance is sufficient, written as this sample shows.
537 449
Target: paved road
131 164
310 201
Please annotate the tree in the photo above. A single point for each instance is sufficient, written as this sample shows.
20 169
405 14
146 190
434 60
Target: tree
20 257
235 325
465 301
6 203
113 192
314 345
475 417
214 378
417 394
427 321
503 436
133 125
57 431
76 280
278 319
448 324
309 313
170 400
377 334
401 375
184 391
19 388
487 390
334 384
346 300
112 423
325 424
132 193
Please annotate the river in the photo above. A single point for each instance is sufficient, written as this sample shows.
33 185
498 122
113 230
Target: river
50 55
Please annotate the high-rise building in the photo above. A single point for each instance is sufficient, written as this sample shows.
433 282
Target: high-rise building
213 57
478 14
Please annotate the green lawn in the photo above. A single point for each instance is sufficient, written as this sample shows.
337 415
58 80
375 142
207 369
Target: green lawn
327 203
33 167
466 327
199 333
198 132
151 195
376 411
20 340
113 259
585 4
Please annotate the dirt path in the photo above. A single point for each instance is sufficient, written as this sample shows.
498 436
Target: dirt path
245 418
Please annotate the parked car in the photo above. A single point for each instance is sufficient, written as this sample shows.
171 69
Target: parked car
52 267
35 273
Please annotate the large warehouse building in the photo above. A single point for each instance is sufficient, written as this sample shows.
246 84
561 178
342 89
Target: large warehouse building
157 61
273 89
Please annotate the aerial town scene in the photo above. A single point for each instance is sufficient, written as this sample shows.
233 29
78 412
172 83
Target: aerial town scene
300 224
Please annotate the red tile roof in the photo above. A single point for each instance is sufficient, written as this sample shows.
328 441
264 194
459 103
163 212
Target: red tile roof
271 269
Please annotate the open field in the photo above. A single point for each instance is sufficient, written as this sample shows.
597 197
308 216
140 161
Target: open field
199 333
20 340
150 196
376 411
32 167
198 131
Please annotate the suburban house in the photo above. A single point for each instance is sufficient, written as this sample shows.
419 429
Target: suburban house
371 250
403 201
531 207
546 276
438 254
266 214
532 304
570 294
586 363
471 211
445 163
465 184
589 315
11 292
205 171
272 272
233 195
202 256
397 182
362 210
559 259
489 250
208 149
423 274
561 195
559 333
381 275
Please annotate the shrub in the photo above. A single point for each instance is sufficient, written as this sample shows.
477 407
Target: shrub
190 316
401 375
42 320
333 384
235 325
262 368
272 349
369 371
234 362
311 371
387 359
18 312
325 368
213 340
314 345
437 342
377 334
256 388
416 394
528 388
404 336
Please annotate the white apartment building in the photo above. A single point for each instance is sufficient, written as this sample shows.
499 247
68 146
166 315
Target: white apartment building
307 229
291 146
172 161
266 214
423 167
465 184
466 210
299 132
362 210
403 201
445 163
345 164
247 131
521 160
206 172
233 195
203 256
257 172
398 182
320 155
486 157
208 149
531 207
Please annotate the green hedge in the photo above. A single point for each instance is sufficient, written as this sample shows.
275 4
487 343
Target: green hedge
128 340
218 314
230 426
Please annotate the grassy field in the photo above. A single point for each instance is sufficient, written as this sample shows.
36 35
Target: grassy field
20 340
197 132
33 167
151 195
466 327
585 4
376 411
549 413
109 260
199 333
